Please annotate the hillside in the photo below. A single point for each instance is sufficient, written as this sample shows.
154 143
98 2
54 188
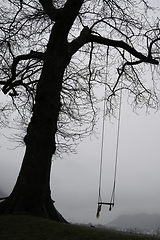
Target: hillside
14 227
140 221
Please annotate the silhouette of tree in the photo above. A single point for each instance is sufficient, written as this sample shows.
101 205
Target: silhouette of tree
54 56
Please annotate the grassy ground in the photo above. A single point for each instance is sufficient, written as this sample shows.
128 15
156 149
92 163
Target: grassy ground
14 227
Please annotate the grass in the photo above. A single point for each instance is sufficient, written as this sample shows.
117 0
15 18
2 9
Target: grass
22 227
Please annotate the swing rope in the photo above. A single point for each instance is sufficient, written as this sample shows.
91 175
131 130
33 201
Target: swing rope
117 148
102 145
112 200
102 142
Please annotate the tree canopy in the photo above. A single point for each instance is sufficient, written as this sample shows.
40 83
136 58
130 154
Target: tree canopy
120 36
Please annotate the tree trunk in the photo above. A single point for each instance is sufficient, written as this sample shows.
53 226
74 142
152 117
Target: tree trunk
31 193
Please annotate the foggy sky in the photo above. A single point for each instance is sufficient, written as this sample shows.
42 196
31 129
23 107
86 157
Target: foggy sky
75 178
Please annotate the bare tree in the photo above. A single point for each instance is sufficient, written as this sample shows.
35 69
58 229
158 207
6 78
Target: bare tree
54 56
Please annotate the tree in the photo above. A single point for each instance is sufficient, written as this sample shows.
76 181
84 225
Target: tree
54 55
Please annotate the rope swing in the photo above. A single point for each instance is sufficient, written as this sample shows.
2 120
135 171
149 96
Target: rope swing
112 200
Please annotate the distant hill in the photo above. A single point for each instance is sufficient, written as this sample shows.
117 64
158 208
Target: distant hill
139 221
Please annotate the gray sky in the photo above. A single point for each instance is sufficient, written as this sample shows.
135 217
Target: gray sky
75 178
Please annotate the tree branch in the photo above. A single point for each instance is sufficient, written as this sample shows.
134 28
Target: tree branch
123 45
31 55
86 37
77 43
150 47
